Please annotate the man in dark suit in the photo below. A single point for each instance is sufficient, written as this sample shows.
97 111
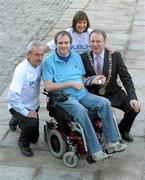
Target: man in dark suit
100 61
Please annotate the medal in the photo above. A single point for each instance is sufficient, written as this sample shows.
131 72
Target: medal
102 91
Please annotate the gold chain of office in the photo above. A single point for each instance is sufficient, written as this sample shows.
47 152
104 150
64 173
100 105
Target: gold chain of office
102 89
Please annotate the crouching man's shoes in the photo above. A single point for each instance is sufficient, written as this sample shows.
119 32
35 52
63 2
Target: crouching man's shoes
13 124
26 151
115 147
127 137
99 156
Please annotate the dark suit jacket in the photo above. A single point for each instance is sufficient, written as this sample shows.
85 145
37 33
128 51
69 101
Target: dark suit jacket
114 91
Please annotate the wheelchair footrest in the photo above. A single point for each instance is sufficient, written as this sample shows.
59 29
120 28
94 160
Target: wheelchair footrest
89 158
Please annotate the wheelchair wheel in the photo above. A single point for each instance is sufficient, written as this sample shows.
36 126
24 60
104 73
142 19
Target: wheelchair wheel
56 144
70 159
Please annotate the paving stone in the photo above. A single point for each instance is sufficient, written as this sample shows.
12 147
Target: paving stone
55 174
21 22
121 170
17 173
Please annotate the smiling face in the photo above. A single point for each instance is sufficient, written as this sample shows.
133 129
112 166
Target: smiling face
97 42
63 44
80 22
81 26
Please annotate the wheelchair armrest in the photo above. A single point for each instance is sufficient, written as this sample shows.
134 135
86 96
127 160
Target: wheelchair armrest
55 95
45 92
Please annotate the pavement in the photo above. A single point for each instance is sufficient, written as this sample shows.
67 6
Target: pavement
22 21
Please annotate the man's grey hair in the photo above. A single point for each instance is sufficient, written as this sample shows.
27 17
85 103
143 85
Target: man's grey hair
33 44
98 31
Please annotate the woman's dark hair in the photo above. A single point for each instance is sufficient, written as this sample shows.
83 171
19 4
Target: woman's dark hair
62 33
80 15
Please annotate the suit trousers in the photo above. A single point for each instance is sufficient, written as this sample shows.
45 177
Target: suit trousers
29 128
129 114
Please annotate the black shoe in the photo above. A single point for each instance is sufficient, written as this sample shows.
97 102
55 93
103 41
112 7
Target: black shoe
127 137
26 151
13 124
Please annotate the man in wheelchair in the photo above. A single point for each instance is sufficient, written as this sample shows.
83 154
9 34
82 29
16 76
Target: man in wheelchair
63 71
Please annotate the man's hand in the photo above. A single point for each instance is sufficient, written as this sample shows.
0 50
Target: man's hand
135 105
111 51
99 80
77 85
32 114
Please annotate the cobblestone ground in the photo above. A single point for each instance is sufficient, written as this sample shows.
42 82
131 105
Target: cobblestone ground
21 22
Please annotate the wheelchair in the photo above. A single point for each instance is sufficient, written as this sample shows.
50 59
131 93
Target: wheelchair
65 137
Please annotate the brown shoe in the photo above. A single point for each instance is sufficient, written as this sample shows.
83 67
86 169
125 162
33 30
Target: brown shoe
127 137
